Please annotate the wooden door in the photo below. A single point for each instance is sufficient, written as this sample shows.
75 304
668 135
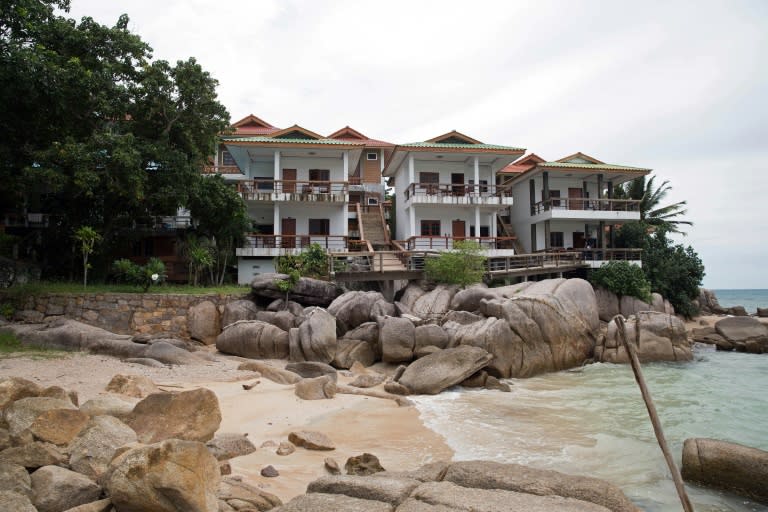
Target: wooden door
457 183
578 240
289 180
575 193
458 229
288 230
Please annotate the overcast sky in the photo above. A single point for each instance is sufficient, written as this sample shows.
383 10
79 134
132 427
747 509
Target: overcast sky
680 87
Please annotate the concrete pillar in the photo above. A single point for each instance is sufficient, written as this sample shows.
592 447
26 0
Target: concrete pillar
345 221
493 228
599 186
546 234
477 221
477 174
276 219
601 235
545 181
381 160
411 169
277 164
345 166
412 219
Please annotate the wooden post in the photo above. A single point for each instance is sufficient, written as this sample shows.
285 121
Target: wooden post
635 362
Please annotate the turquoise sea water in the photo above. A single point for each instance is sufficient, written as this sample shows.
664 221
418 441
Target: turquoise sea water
592 421
750 299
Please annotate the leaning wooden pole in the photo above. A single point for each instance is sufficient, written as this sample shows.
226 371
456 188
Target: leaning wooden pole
635 362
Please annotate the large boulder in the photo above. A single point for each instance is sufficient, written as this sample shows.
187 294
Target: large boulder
227 446
708 303
15 478
254 339
21 414
234 311
270 372
204 322
369 331
318 501
310 292
311 440
284 320
55 489
580 293
108 405
607 304
92 450
632 305
58 426
656 336
15 388
747 334
168 353
449 497
318 388
495 337
391 490
541 482
434 304
349 351
10 500
440 370
355 308
396 339
33 455
431 335
469 298
243 496
190 415
317 337
312 369
170 476
136 386
728 466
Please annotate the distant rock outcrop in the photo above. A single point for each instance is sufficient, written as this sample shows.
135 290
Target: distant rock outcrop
310 292
657 337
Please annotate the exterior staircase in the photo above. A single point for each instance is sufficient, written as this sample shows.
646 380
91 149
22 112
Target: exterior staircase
506 230
374 230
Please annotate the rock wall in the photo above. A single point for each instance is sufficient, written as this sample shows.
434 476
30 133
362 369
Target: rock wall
123 313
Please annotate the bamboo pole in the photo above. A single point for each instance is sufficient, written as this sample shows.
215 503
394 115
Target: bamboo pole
635 362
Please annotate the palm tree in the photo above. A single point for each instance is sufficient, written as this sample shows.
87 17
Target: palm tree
650 197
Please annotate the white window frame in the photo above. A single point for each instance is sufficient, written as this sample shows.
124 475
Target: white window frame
370 154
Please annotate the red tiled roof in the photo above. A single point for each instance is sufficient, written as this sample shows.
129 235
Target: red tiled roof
523 164
351 134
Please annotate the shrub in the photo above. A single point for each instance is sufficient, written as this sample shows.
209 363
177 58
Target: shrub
141 275
464 265
312 262
622 278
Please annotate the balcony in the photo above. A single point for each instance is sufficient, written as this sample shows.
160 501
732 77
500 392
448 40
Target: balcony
266 190
491 245
587 209
280 245
221 169
469 194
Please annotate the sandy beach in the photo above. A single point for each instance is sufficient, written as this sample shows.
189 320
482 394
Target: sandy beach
269 411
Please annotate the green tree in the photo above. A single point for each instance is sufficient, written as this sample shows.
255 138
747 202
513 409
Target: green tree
287 285
220 214
464 265
200 256
652 212
86 238
622 278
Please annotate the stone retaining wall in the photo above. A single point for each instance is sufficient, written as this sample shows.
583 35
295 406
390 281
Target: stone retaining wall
123 313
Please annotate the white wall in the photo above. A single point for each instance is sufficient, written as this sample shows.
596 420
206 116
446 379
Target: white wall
446 216
337 214
445 169
248 268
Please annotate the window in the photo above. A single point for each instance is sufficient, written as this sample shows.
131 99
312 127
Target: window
554 195
372 156
319 226
227 158
429 181
430 228
373 201
556 239
319 175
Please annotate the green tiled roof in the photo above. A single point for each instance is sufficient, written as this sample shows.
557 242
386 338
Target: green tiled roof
329 142
458 146
570 165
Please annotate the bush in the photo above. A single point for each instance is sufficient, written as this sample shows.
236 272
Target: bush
141 275
312 262
622 278
464 265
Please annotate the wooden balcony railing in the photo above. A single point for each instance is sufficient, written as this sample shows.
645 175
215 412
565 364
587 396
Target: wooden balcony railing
423 243
612 254
565 203
251 189
221 169
456 190
327 242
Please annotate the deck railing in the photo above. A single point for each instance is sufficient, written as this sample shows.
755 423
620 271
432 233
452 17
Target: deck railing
327 242
612 254
456 190
566 203
252 188
538 260
422 243
221 169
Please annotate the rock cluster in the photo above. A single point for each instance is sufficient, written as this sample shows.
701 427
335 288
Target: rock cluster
742 334
150 457
460 486
656 336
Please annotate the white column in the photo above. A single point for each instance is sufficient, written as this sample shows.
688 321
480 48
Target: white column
411 170
345 167
493 227
477 221
345 220
412 218
277 164
381 160
477 174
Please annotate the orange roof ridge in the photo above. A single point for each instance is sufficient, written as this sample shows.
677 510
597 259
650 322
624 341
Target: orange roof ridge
581 155
454 134
297 128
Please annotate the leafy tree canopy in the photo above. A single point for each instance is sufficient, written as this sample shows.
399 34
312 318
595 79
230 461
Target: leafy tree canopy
92 130
464 265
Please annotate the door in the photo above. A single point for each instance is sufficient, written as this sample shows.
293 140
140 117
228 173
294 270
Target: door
458 229
574 194
288 230
430 181
289 181
578 240
457 183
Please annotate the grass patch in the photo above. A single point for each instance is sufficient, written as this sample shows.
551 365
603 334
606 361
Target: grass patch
40 288
10 347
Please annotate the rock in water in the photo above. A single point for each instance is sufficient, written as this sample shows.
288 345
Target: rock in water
190 415
436 372
657 337
728 466
170 476
747 334
254 339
